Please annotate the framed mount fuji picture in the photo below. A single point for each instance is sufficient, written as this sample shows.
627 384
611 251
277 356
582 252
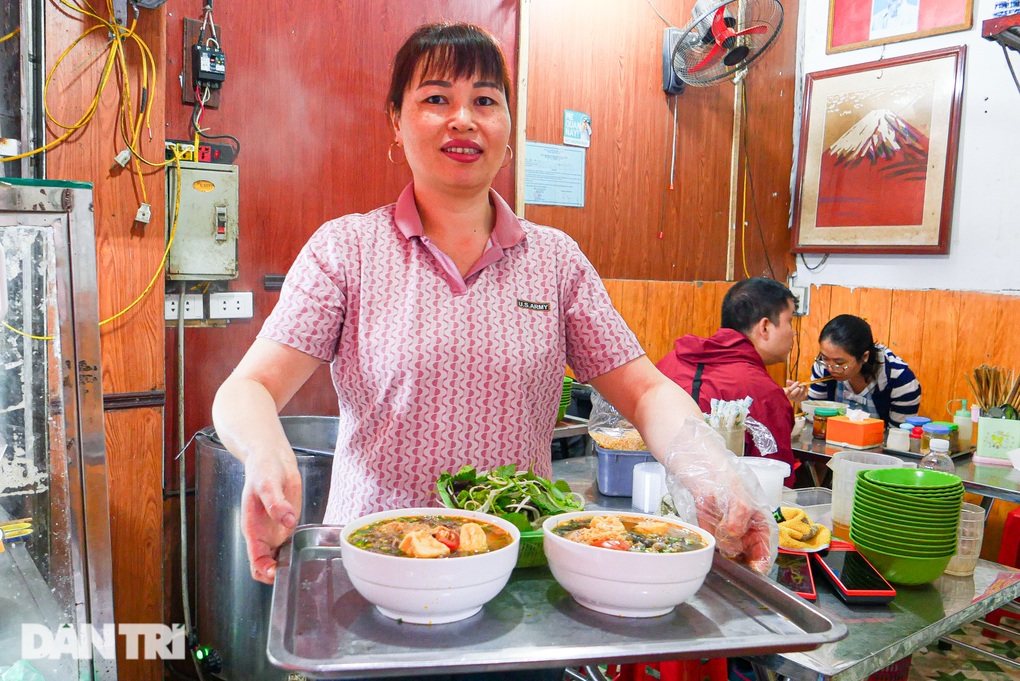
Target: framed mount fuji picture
876 166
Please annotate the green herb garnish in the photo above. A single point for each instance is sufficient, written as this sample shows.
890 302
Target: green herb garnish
520 497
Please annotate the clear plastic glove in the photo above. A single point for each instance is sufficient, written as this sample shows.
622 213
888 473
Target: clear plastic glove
727 499
270 505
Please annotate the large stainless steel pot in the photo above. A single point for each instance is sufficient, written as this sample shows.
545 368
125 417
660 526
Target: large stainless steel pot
232 608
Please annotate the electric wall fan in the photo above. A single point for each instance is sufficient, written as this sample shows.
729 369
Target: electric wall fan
720 43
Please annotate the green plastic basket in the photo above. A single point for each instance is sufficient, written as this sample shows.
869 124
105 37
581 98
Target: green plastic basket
531 553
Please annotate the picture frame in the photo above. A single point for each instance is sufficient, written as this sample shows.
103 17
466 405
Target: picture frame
876 166
854 24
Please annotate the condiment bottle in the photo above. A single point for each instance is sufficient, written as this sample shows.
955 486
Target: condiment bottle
938 458
962 419
915 439
898 439
820 421
954 434
932 431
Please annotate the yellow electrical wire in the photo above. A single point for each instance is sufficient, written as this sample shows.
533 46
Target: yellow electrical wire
743 226
176 160
115 57
10 35
28 335
166 252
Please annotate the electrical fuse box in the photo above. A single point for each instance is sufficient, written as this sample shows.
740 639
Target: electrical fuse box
205 243
208 66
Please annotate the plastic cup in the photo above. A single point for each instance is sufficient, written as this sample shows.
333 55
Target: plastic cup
971 535
649 487
770 474
845 466
734 438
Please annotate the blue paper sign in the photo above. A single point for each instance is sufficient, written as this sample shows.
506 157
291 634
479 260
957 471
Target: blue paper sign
576 128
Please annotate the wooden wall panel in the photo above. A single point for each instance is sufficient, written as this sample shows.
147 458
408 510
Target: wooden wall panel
127 257
127 254
942 335
135 447
606 59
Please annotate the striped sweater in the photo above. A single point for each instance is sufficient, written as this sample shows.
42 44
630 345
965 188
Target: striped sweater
896 394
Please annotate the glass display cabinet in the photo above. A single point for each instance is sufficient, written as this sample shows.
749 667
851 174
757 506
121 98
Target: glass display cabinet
53 476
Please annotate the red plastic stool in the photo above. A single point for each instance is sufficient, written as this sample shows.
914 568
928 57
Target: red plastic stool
671 670
1009 555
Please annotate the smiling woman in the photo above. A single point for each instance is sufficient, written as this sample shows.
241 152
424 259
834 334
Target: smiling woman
447 322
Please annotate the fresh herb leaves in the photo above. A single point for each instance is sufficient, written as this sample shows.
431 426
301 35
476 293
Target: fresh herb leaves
520 497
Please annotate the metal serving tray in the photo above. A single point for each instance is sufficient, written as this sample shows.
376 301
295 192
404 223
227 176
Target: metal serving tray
323 628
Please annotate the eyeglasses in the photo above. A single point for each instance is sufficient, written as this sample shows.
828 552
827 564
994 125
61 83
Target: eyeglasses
833 367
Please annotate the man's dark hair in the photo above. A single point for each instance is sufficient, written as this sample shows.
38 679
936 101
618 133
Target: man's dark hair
748 301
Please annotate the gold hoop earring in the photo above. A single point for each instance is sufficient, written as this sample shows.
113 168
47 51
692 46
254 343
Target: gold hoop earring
509 160
389 154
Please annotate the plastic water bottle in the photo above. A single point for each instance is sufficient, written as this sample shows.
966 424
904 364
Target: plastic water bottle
938 458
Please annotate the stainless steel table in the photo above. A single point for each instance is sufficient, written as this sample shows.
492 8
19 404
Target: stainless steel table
990 482
570 426
878 635
882 634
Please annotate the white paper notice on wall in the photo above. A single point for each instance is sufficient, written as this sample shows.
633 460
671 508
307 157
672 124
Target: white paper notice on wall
554 175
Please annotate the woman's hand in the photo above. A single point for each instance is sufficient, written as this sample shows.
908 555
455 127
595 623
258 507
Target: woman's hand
270 506
742 531
796 392
245 415
727 498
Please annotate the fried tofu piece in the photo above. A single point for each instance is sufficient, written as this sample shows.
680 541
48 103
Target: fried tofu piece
394 527
421 544
651 527
472 538
601 528
609 524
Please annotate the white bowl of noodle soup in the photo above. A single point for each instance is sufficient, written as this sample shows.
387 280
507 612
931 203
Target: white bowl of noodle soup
429 590
627 583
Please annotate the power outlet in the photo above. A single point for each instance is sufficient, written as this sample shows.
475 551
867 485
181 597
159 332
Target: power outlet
803 294
232 305
194 307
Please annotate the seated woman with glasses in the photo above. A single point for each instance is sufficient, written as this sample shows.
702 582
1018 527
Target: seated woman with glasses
868 376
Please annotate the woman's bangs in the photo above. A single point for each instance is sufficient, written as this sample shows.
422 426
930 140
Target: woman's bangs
453 62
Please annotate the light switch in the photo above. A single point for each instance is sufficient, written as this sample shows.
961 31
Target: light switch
221 223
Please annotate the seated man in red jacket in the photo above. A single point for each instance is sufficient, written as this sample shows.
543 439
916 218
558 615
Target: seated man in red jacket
757 330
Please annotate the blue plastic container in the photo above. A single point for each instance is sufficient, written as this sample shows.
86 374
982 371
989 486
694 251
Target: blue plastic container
616 470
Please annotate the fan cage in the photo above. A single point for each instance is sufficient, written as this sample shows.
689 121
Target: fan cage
691 46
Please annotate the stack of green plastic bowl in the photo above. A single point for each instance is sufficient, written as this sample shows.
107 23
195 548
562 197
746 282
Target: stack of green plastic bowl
904 521
568 384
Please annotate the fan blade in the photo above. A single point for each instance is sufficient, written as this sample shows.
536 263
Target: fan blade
716 51
753 29
719 27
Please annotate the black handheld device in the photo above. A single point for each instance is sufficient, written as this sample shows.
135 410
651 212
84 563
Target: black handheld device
794 572
853 578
